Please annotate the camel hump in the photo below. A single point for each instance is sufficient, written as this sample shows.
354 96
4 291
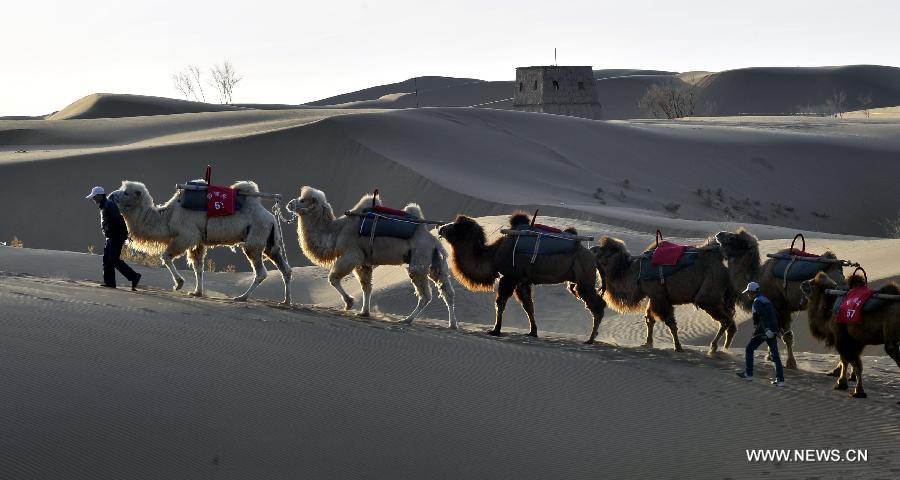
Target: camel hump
890 289
245 186
366 202
414 210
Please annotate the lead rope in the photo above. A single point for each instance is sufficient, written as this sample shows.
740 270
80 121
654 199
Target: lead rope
537 245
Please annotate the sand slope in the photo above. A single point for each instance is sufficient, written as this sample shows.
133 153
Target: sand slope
117 105
110 384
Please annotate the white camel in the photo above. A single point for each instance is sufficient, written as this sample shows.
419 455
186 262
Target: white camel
336 243
170 231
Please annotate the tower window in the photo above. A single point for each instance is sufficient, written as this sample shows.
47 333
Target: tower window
535 84
520 86
556 85
581 85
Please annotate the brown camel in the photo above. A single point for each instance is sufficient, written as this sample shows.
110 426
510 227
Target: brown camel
477 264
878 327
704 284
741 251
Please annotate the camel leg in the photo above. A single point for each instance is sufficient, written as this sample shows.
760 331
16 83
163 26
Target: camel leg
836 372
666 312
523 295
364 275
650 322
197 255
167 258
505 289
788 339
729 334
341 268
419 278
858 368
259 272
713 306
595 304
280 260
893 351
841 383
445 289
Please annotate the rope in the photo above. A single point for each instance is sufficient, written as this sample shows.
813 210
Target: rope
276 211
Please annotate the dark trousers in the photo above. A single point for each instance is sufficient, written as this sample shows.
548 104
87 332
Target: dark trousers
111 262
755 342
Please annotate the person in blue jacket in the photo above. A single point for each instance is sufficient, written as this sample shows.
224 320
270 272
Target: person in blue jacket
116 232
765 329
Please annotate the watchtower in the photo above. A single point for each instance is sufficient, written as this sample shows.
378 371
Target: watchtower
559 90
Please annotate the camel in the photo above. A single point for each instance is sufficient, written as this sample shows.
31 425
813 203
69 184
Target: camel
171 231
741 251
879 327
704 284
335 244
477 264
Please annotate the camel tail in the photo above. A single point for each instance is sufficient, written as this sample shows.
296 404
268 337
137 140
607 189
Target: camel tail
439 266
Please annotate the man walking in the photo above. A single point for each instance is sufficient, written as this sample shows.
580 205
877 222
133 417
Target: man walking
116 232
765 329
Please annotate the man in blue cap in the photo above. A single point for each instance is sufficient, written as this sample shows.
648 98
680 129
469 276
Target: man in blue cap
116 232
765 329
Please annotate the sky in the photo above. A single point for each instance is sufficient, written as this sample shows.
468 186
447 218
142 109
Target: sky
55 52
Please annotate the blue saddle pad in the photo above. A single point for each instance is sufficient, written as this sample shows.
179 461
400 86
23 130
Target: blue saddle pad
386 225
800 271
659 272
551 243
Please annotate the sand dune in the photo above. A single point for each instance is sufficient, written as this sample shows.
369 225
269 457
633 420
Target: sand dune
478 161
117 105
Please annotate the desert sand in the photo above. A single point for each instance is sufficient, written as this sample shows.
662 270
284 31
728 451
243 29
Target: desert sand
105 383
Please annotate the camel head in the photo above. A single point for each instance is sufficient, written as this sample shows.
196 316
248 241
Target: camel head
736 244
131 195
612 256
463 229
816 287
311 201
519 219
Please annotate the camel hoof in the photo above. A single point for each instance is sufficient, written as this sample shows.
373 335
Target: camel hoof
178 284
454 326
348 303
363 314
791 363
590 341
239 299
840 386
531 334
678 348
834 373
858 394
493 333
647 345
407 321
286 303
196 294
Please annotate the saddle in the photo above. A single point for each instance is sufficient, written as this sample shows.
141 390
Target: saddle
549 241
381 221
215 200
788 268
666 259
849 307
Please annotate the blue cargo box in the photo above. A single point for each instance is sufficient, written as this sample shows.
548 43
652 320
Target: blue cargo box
388 225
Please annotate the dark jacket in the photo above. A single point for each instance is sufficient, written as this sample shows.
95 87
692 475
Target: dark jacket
111 221
764 316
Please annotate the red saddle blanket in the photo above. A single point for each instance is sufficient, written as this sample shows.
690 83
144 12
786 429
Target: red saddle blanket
667 253
852 306
388 211
546 228
219 201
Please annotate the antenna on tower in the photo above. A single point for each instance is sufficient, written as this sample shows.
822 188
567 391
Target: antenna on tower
554 57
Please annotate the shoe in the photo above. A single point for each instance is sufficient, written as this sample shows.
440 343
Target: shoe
134 283
106 286
745 376
778 383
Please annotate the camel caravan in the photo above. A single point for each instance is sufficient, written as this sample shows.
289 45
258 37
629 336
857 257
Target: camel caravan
843 313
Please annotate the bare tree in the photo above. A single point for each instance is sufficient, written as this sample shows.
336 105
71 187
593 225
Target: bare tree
224 79
865 100
669 100
837 102
189 83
